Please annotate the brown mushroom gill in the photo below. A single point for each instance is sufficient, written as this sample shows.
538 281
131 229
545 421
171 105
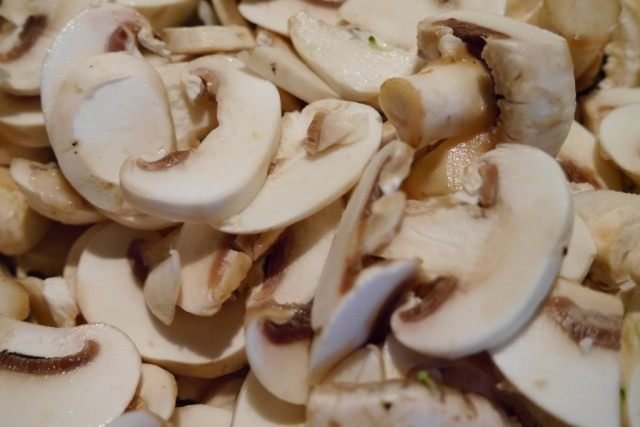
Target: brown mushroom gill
297 328
40 365
32 29
166 162
432 295
122 37
488 193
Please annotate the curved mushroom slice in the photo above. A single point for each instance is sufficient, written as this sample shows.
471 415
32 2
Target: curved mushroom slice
582 327
460 239
71 367
277 330
581 252
352 133
156 392
163 13
14 300
249 121
364 365
207 39
274 60
274 14
212 270
137 419
536 97
582 161
201 416
108 290
622 67
354 317
629 358
594 108
619 138
21 228
256 407
353 62
49 193
61 301
162 288
398 403
22 121
70 269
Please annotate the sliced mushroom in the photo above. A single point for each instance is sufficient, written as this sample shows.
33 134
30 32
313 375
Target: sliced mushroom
582 327
536 98
277 330
629 357
363 366
622 67
22 121
256 407
137 419
201 416
71 367
61 301
619 138
162 288
581 252
274 14
353 62
207 39
163 13
156 392
355 132
460 239
14 300
248 117
227 12
256 245
109 291
70 269
48 192
595 107
39 309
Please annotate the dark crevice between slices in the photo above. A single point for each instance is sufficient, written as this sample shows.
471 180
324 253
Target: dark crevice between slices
135 255
475 36
432 295
32 30
38 365
297 328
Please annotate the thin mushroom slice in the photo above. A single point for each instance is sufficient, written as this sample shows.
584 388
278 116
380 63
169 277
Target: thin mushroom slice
162 288
156 392
350 60
72 366
630 364
277 330
536 97
207 39
459 239
109 291
248 116
581 252
256 407
582 327
274 14
352 133
49 193
14 300
619 138
22 121
61 301
138 419
75 251
163 13
201 416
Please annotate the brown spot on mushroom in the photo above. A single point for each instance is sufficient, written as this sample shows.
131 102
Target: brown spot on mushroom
488 193
577 174
31 30
297 328
39 365
135 255
209 79
603 330
314 131
122 36
433 295
218 264
167 162
475 36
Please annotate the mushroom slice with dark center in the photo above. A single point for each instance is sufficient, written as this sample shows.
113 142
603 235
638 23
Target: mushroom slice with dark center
582 327
72 366
484 270
274 14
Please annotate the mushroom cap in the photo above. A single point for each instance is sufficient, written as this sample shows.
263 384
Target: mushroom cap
109 291
235 155
496 263
331 173
69 367
619 138
274 14
579 384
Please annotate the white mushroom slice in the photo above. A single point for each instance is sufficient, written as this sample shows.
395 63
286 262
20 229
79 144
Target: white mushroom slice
629 359
14 300
396 20
207 39
277 331
355 315
594 108
356 134
49 193
72 367
228 13
274 60
536 96
580 384
582 161
580 253
163 13
363 366
73 255
256 407
162 288
201 416
156 392
459 239
61 301
622 67
274 14
108 290
21 228
619 138
351 61
22 121
249 118
137 419
398 403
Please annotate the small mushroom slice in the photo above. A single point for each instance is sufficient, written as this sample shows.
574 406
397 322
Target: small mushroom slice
249 121
536 92
162 288
201 416
460 239
274 14
156 392
629 359
622 68
71 367
582 327
137 419
595 107
256 407
22 121
619 138
353 62
14 300
163 13
61 301
581 252
364 365
49 193
21 228
109 291
582 161
207 39
352 133
398 403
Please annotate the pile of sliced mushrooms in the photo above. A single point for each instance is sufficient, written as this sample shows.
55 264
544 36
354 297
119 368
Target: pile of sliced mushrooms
329 213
